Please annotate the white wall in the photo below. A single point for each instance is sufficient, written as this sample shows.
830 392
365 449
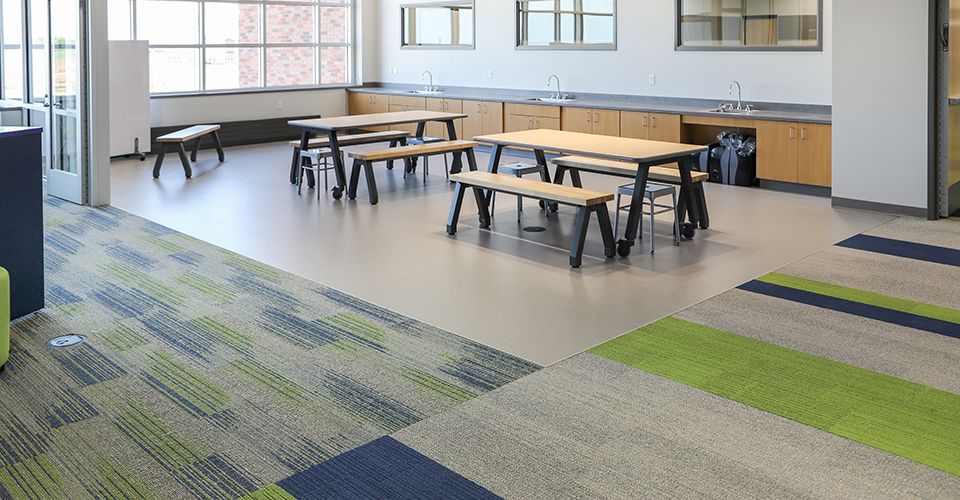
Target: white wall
646 45
880 110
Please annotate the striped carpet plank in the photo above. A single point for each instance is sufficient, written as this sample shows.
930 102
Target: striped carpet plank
589 427
940 233
898 416
895 350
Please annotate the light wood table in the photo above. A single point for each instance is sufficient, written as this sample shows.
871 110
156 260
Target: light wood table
333 126
644 154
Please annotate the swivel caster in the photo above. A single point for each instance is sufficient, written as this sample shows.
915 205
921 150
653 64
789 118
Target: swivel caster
337 192
688 231
543 205
623 248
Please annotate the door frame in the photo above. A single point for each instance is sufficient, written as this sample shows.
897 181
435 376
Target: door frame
937 102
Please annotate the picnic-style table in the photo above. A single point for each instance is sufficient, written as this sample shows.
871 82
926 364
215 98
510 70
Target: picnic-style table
334 126
643 153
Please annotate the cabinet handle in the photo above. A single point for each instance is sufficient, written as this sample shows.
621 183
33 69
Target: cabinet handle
803 133
538 123
793 132
530 123
479 108
653 121
596 118
646 121
485 110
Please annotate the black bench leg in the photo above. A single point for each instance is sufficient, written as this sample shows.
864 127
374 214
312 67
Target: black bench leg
482 207
159 162
558 180
218 145
606 231
701 198
187 169
371 182
454 218
304 144
393 144
457 166
196 149
354 179
579 237
293 162
472 160
636 210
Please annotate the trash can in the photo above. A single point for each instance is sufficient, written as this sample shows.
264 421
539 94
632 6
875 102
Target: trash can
731 160
4 318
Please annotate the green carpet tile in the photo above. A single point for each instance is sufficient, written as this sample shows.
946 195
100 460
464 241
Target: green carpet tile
206 374
898 416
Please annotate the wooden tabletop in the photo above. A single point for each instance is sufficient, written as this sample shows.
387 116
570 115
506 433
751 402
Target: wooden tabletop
600 146
374 120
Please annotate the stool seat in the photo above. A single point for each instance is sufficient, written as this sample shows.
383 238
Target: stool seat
313 159
653 191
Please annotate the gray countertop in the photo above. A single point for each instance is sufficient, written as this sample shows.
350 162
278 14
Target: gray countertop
766 111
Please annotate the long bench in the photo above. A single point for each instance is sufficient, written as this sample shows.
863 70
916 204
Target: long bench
587 202
364 160
669 175
182 136
392 136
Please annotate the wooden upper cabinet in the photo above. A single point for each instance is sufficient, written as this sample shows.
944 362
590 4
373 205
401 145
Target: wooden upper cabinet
815 155
777 150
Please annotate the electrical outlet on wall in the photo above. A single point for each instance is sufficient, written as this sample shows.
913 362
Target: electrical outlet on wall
490 74
652 79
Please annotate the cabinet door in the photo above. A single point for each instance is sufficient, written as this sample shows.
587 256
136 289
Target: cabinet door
664 127
435 129
577 120
540 122
634 125
380 104
358 103
814 165
517 123
777 151
606 122
453 106
410 128
473 123
492 118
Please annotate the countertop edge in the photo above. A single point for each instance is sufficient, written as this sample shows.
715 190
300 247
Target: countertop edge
613 105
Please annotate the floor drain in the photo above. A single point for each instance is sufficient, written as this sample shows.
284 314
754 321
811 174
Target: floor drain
66 341
534 229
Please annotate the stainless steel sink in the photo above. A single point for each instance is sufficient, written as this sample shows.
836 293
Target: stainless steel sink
732 111
425 92
552 100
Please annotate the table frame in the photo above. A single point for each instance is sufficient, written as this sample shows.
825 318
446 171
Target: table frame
686 160
338 163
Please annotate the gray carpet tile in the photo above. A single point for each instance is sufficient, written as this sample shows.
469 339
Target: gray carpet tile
591 428
943 233
906 353
911 279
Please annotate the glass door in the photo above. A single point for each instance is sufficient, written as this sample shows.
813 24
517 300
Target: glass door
64 172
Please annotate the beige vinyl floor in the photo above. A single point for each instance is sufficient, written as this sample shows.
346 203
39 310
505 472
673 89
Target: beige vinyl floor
506 288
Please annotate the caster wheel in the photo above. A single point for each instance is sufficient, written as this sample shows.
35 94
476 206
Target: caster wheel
542 205
623 248
143 158
337 193
688 231
389 167
554 207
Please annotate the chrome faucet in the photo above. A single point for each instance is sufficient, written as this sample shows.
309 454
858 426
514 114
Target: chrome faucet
431 88
557 95
739 94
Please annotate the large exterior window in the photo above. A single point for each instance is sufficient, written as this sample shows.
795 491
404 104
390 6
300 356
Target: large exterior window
567 24
11 50
220 45
749 24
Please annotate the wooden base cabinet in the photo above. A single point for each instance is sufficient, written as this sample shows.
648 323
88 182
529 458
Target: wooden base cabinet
530 117
483 118
794 152
591 121
359 103
437 129
650 126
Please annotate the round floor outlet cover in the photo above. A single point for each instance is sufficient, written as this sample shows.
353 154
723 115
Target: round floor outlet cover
66 341
534 229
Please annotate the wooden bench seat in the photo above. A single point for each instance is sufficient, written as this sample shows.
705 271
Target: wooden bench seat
182 136
587 202
669 175
364 160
